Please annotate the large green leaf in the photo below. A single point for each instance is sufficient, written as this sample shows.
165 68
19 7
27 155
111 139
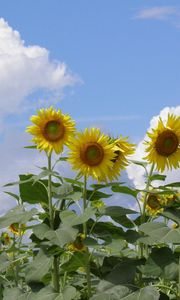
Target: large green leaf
159 232
61 236
78 259
172 214
38 268
11 294
105 229
147 293
108 291
125 190
161 263
116 211
71 218
40 230
4 262
31 192
17 215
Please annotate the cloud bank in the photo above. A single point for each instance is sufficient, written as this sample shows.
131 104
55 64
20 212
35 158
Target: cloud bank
136 173
26 69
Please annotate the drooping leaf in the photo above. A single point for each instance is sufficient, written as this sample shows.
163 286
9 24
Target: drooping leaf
39 267
172 214
63 235
17 215
71 218
125 190
159 232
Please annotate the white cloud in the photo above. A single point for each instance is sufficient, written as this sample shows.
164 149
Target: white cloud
136 173
25 69
157 12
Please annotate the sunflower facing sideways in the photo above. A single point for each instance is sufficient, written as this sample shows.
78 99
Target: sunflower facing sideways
122 150
163 148
51 129
91 153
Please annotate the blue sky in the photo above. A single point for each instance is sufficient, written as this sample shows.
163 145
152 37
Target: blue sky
108 63
129 66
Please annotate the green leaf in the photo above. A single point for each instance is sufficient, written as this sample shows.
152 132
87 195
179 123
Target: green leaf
158 177
122 272
124 221
11 293
146 293
105 185
96 195
63 235
70 218
32 192
173 184
116 211
120 292
105 230
78 259
17 215
125 190
172 214
139 163
38 268
4 262
161 263
40 230
13 195
109 291
63 190
159 232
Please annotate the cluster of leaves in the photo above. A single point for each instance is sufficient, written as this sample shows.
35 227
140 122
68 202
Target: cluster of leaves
128 259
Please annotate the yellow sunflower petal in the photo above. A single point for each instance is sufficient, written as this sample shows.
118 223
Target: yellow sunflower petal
163 146
51 130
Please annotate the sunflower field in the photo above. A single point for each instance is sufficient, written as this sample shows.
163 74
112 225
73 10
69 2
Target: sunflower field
64 239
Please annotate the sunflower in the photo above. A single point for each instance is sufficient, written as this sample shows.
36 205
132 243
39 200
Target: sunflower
122 150
154 204
17 228
91 153
77 245
163 148
51 129
5 238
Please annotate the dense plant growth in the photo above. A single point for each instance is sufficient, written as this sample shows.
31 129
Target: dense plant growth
64 239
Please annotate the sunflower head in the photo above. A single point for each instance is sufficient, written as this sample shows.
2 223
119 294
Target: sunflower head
17 228
77 245
155 203
5 238
163 146
122 150
51 130
91 153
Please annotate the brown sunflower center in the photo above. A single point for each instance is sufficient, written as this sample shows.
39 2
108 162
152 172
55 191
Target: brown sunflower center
54 130
92 154
167 143
153 202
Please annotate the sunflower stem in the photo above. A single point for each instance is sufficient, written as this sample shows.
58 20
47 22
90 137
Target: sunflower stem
55 272
146 194
88 274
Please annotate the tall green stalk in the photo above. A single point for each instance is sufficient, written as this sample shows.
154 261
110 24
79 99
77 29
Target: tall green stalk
88 274
146 194
55 273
